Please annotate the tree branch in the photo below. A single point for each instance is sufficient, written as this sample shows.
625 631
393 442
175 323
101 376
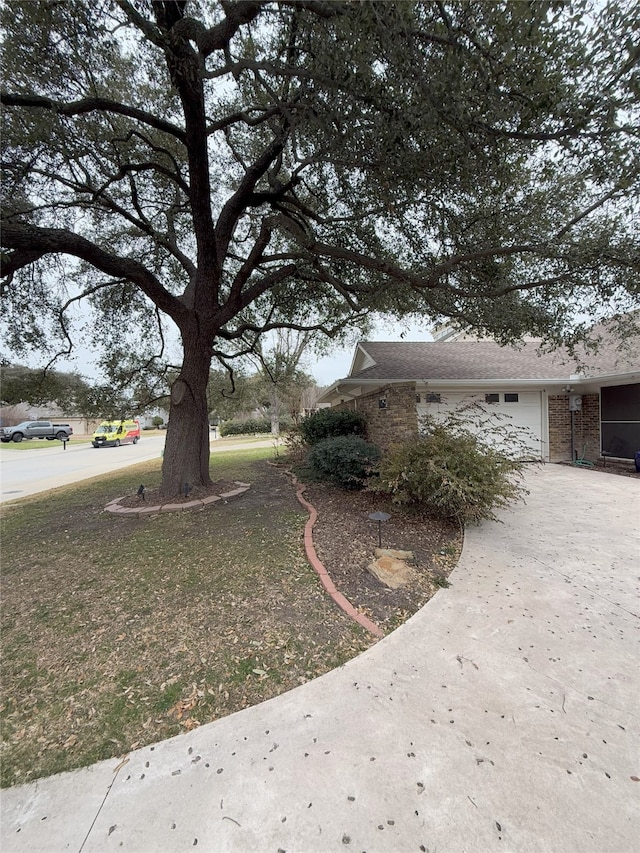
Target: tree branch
236 204
22 238
252 261
184 66
89 105
229 310
19 258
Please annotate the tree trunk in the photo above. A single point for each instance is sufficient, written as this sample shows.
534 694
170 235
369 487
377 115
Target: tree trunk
274 410
186 454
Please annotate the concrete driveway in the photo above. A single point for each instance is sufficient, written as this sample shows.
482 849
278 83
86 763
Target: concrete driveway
502 717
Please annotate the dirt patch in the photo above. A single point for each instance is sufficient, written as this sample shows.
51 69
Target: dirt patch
621 469
153 496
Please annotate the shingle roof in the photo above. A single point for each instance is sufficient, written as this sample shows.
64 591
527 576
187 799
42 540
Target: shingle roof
477 360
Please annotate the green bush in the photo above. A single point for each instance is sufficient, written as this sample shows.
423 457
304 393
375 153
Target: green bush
328 423
346 461
250 427
453 473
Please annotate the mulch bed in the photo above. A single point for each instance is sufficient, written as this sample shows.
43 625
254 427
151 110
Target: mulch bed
345 541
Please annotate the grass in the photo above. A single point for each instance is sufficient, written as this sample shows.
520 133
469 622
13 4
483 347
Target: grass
245 439
38 443
119 632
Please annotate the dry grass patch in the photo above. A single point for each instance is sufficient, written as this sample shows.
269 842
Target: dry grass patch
118 632
121 631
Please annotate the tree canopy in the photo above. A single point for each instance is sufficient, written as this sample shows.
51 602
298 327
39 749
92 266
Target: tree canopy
25 385
236 167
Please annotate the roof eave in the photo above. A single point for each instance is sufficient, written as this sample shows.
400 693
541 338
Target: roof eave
342 386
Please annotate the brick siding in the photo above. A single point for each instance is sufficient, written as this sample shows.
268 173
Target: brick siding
395 423
587 428
398 420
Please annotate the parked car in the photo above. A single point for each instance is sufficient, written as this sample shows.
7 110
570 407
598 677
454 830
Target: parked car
36 429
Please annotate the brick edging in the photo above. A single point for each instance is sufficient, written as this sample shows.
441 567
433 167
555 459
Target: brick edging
343 603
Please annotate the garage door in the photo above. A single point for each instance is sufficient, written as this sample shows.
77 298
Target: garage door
495 416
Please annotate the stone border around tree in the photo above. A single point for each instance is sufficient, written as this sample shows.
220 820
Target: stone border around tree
115 507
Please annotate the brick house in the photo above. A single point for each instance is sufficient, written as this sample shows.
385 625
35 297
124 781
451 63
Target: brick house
564 409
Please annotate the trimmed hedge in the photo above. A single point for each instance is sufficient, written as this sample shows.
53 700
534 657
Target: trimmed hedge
328 423
250 427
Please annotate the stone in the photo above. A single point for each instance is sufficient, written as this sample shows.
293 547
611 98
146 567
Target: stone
393 552
391 572
210 499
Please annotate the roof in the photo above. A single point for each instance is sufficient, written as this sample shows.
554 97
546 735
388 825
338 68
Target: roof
477 360
377 362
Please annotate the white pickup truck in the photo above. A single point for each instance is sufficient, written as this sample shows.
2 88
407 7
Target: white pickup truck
36 429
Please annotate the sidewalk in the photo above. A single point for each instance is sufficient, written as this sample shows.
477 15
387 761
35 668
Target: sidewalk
501 717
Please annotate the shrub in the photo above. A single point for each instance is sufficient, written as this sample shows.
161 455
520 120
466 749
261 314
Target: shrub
296 446
328 423
453 473
250 427
345 460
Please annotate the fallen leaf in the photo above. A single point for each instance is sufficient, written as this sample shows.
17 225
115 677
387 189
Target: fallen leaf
124 761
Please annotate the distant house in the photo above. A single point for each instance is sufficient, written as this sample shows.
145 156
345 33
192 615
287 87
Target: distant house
565 409
146 420
11 415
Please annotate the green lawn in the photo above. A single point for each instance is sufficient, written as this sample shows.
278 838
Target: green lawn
38 444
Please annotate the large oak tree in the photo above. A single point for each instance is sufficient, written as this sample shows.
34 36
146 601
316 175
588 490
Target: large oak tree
235 167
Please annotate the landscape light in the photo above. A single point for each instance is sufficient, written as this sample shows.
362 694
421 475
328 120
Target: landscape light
379 516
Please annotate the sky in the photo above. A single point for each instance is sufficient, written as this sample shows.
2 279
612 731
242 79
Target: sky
325 370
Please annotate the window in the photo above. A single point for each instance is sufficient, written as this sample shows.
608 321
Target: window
417 398
434 398
511 398
492 398
620 413
382 403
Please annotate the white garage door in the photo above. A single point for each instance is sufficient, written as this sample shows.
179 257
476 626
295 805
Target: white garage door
493 415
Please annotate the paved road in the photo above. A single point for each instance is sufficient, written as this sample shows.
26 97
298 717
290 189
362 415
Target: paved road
501 718
28 472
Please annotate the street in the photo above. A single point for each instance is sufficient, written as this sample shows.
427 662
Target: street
27 472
